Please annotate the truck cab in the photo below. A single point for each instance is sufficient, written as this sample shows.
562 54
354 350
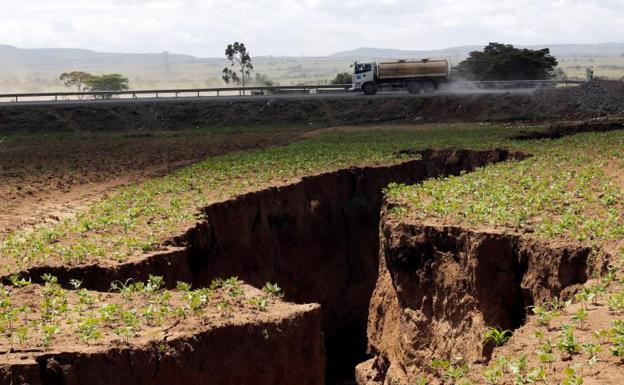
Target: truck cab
362 73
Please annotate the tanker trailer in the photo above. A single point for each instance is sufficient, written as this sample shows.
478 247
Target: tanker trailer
413 75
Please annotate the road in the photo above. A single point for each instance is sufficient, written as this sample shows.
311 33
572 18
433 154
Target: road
230 98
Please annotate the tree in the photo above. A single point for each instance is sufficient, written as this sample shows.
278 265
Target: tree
505 62
108 82
263 81
342 78
238 56
76 79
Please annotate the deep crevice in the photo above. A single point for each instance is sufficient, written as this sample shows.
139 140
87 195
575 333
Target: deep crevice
319 240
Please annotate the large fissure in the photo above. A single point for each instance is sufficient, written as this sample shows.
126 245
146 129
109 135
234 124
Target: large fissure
319 240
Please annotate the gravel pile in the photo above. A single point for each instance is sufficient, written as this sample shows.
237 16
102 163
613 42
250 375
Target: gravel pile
596 98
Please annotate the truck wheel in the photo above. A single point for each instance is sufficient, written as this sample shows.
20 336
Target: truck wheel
428 87
369 89
413 87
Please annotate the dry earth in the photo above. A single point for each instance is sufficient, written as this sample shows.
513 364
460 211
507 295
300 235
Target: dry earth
48 178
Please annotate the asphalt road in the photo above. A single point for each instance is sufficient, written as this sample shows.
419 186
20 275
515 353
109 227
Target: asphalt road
230 98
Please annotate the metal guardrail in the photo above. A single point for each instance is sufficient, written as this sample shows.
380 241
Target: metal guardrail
186 92
276 90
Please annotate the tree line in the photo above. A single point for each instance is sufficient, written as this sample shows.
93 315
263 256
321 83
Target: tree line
84 81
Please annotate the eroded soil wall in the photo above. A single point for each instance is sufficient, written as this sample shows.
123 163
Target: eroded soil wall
286 352
439 287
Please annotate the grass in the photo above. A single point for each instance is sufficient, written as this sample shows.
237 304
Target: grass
138 218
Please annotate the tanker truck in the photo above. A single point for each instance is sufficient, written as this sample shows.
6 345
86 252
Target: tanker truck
414 75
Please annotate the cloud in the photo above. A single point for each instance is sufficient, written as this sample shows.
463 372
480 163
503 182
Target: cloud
313 27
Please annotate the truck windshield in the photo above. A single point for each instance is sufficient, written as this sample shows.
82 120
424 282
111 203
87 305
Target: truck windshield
359 68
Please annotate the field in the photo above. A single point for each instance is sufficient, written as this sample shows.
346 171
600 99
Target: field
141 247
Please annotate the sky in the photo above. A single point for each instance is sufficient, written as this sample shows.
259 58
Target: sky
303 27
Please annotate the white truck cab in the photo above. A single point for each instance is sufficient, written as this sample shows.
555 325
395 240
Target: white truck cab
362 73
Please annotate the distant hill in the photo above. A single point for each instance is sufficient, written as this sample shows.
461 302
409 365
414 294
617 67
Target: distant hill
560 50
46 60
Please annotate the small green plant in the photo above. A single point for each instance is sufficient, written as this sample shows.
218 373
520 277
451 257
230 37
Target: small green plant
544 315
154 284
496 335
183 286
571 377
567 342
616 302
88 329
592 351
259 303
493 375
48 332
580 316
273 289
19 281
545 352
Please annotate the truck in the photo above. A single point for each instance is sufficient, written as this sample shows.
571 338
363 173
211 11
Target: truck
414 75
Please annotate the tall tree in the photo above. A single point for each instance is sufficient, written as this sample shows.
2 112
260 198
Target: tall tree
505 62
108 82
342 78
239 57
76 79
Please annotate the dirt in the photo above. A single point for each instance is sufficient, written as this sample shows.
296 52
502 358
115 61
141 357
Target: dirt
318 239
440 286
279 345
50 178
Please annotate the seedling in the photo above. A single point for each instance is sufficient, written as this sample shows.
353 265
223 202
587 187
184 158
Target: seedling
493 376
18 281
580 316
545 352
273 289
496 335
616 302
571 377
567 342
544 315
259 302
592 350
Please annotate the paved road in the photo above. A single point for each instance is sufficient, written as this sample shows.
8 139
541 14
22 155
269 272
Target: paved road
228 98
